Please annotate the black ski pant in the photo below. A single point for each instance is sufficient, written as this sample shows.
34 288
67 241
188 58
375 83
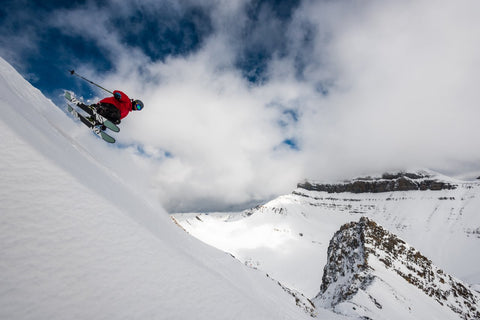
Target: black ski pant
109 111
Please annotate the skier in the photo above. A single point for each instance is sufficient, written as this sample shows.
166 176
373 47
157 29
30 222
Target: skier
113 108
117 107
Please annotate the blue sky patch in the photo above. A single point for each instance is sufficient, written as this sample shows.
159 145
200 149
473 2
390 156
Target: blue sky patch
291 143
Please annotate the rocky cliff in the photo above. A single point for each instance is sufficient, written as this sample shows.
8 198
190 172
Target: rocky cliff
362 253
402 181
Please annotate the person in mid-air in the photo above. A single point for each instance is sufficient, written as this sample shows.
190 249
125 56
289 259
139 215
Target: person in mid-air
117 107
113 108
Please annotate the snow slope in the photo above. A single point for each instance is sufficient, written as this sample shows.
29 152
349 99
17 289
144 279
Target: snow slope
78 242
289 236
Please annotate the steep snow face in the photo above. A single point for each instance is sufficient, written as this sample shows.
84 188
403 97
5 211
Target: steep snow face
289 236
361 277
78 241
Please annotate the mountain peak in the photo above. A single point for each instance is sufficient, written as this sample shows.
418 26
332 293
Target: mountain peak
363 255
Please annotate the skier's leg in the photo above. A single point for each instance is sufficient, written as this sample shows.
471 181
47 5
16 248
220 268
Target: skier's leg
109 111
84 107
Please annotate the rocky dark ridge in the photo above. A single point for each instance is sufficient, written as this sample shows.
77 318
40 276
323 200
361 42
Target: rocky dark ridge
402 181
348 269
347 260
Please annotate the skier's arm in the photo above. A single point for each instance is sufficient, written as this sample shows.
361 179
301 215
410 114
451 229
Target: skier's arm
120 96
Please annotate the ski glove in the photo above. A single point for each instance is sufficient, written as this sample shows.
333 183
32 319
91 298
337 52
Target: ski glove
117 96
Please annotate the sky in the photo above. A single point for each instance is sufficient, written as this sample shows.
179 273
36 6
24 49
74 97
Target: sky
243 99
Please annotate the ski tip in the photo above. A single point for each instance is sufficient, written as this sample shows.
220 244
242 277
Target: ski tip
107 138
68 95
110 125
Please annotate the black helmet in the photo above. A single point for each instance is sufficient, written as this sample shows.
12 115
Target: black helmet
137 105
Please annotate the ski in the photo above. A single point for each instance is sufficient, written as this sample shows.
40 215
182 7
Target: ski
98 131
93 112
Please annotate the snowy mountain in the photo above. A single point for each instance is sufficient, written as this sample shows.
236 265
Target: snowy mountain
289 236
81 239
372 273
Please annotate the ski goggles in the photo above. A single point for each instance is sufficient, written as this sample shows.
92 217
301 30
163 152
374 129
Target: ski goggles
138 106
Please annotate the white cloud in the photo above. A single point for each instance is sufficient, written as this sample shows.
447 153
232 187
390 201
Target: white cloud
405 93
221 132
401 78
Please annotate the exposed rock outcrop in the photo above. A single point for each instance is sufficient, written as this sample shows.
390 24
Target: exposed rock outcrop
402 181
350 269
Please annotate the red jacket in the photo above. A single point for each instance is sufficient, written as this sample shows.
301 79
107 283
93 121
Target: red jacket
124 104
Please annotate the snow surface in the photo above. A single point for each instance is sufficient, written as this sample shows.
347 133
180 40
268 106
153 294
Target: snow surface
78 241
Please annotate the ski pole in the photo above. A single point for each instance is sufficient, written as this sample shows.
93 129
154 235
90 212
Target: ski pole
72 72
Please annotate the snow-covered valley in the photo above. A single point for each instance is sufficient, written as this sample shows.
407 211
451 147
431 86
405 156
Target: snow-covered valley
288 237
